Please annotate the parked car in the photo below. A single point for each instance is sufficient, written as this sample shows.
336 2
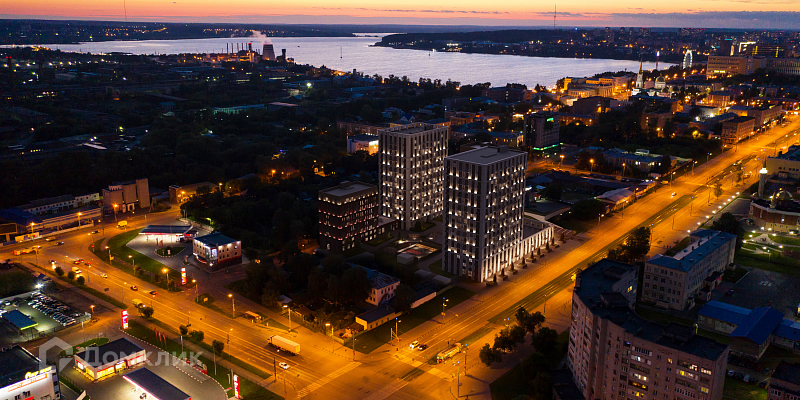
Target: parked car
762 384
59 243
753 381
730 372
746 378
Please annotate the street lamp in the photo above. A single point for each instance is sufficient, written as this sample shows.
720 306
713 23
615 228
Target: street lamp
195 289
333 344
289 310
233 306
166 276
562 161
591 165
79 220
444 304
396 332
623 169
115 212
132 260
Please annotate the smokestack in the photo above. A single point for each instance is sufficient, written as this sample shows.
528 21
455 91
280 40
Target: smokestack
226 48
762 180
250 46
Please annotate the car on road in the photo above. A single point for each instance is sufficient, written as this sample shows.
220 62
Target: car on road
153 292
50 239
95 232
674 194
59 243
87 263
78 261
422 347
134 288
104 275
283 365
794 232
414 344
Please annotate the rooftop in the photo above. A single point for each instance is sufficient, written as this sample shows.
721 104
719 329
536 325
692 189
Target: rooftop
215 239
687 258
376 313
595 289
109 353
379 280
14 363
19 320
364 137
412 128
155 385
724 312
165 229
792 153
758 325
787 372
486 155
347 189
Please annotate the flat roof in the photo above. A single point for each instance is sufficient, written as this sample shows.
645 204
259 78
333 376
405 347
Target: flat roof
485 155
19 320
109 353
787 372
14 363
695 252
155 385
165 229
411 128
347 188
215 239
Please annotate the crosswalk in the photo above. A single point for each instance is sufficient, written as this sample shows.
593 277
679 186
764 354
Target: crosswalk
387 390
416 364
333 375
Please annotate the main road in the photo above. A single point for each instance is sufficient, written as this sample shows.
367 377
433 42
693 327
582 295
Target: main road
388 371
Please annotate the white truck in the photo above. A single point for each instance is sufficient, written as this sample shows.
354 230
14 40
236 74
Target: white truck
284 344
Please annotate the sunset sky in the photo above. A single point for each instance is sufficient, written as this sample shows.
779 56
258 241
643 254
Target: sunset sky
775 14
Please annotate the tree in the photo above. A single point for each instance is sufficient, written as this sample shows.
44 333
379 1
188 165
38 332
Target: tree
270 295
404 296
718 189
505 341
80 280
60 272
639 242
530 322
71 275
542 386
545 340
147 311
587 209
184 330
217 346
197 336
728 223
488 355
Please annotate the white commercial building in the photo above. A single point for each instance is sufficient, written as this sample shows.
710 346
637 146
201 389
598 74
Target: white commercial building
484 223
412 171
23 376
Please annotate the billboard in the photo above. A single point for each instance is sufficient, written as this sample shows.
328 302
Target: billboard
236 386
183 275
124 319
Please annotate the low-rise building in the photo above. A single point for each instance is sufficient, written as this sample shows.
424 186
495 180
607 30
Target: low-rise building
765 115
98 362
59 204
786 164
737 129
127 196
24 376
615 354
217 250
182 194
362 142
506 94
784 384
655 120
382 287
676 282
541 130
780 214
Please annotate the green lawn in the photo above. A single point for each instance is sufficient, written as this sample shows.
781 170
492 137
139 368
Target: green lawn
436 268
248 389
174 250
96 342
736 389
791 241
775 262
733 275
370 340
118 246
424 226
16 282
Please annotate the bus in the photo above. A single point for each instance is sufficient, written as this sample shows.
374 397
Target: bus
252 316
450 352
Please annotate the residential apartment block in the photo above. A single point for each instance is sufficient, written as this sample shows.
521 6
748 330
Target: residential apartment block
348 214
541 129
677 281
411 171
484 224
785 382
615 354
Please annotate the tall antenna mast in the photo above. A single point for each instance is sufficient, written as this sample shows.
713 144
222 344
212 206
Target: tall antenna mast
555 11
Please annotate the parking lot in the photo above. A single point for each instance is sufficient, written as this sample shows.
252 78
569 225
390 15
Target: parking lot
49 314
760 288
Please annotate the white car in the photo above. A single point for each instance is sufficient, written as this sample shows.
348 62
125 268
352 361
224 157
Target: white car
414 344
283 365
104 275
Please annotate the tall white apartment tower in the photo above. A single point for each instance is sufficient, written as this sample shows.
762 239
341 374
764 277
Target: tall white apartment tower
412 171
483 211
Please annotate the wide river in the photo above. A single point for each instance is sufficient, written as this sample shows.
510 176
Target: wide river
347 54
